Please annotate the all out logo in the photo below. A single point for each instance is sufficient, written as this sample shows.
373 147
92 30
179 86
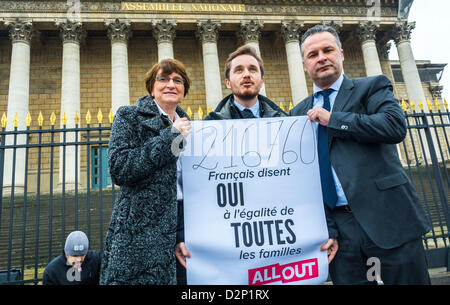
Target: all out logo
293 272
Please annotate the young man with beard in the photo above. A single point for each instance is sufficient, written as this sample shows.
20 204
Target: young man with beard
244 75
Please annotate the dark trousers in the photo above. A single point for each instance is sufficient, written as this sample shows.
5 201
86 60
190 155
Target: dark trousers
181 274
180 270
405 265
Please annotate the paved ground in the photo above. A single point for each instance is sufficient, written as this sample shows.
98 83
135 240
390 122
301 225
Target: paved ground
439 276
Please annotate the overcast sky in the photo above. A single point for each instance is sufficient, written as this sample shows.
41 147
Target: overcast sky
431 38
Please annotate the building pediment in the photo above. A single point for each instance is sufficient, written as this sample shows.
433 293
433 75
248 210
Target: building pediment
387 8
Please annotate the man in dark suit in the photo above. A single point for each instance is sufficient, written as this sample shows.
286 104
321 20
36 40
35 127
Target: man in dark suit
373 212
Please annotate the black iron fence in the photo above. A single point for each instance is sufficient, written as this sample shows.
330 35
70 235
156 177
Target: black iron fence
65 186
426 156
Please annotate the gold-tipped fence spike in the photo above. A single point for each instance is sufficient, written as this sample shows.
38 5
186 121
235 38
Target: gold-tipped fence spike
209 109
189 111
76 118
111 116
438 107
404 106
200 113
429 105
88 117
4 120
53 118
64 118
282 107
100 116
413 106
16 120
28 119
290 106
420 104
40 119
445 104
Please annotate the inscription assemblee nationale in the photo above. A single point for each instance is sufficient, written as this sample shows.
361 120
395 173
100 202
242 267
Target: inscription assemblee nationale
183 7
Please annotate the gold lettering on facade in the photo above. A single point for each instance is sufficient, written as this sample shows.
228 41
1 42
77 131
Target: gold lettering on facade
182 7
194 7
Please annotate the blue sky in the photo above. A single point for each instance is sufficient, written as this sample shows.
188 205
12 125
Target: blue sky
431 38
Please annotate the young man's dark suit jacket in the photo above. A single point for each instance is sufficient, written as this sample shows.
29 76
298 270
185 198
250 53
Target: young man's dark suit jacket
365 124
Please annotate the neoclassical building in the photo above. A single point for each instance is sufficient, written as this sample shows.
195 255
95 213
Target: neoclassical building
73 56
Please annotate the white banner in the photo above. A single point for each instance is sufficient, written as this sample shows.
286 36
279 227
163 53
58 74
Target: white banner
253 211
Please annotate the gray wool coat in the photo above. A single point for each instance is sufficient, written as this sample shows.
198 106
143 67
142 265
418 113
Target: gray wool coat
140 241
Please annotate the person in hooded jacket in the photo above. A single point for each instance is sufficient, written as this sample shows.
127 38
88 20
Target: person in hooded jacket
77 265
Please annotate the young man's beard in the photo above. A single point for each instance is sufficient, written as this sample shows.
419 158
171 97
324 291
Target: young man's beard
246 97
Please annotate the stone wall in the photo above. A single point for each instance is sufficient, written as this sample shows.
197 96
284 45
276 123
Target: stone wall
95 74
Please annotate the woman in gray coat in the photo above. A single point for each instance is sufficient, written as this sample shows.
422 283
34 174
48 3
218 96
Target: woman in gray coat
142 158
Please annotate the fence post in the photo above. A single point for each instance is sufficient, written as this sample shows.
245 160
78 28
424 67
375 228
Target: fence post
436 169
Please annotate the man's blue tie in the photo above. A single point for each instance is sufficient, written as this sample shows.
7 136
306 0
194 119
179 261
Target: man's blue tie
247 114
326 177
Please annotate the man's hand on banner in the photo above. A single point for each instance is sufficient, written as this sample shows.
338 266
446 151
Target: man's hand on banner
332 246
319 115
181 253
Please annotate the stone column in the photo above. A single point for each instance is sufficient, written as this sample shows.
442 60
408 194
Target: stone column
383 48
402 36
119 32
20 33
71 35
291 34
250 33
366 32
208 32
164 33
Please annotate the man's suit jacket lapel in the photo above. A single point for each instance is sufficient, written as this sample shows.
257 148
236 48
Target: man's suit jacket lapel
343 95
308 103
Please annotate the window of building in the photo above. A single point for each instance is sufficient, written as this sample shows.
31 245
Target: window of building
100 172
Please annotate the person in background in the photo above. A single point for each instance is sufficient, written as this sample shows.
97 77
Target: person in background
77 265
